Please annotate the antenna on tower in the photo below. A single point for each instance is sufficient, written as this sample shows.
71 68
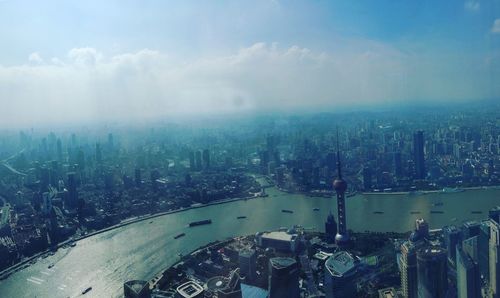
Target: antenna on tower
338 156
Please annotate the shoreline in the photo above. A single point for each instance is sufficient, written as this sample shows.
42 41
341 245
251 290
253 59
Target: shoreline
439 191
4 274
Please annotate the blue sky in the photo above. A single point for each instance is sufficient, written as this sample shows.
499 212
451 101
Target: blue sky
227 56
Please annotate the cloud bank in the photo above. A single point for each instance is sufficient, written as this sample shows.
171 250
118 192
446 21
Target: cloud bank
88 85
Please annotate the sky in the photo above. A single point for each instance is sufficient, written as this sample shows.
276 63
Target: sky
83 61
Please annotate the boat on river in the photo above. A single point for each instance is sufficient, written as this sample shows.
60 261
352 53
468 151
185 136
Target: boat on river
200 223
179 235
86 290
286 211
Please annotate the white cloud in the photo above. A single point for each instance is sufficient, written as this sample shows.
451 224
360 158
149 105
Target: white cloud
472 5
35 58
87 85
496 26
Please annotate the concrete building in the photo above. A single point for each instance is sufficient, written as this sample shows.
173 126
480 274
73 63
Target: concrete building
136 289
432 272
468 281
340 271
279 240
283 278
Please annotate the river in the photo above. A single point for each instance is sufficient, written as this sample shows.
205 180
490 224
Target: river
142 249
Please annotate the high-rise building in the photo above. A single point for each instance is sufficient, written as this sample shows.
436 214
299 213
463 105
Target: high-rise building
494 262
494 214
398 164
432 272
340 186
340 274
483 255
452 238
247 260
470 229
470 248
283 278
330 228
468 281
409 281
72 192
418 155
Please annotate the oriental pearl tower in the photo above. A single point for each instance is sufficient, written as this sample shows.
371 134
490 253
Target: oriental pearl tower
340 186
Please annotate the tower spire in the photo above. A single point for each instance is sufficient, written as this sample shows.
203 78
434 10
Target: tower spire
339 166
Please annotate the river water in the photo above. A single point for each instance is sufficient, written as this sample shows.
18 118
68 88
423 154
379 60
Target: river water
142 249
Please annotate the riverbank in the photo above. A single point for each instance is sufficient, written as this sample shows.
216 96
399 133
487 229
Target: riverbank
439 191
26 262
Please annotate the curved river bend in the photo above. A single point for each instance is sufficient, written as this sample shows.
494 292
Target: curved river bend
142 249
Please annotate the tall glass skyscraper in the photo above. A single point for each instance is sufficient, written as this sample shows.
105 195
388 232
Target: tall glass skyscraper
432 272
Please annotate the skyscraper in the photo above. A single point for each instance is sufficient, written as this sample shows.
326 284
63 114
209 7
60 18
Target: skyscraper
494 262
283 278
247 260
72 193
468 282
432 272
483 243
340 186
330 228
340 275
418 154
494 214
452 238
409 283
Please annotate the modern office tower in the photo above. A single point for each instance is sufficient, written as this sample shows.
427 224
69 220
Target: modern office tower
198 160
452 238
206 159
432 272
44 179
330 228
283 278
248 261
483 244
494 214
468 281
192 165
340 186
98 153
418 154
398 164
137 177
409 281
470 248
471 229
367 178
72 193
422 227
136 289
494 264
340 274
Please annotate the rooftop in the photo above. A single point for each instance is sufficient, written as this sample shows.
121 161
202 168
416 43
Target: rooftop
341 263
189 289
279 235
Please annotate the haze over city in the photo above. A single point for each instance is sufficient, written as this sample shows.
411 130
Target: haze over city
123 60
250 149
